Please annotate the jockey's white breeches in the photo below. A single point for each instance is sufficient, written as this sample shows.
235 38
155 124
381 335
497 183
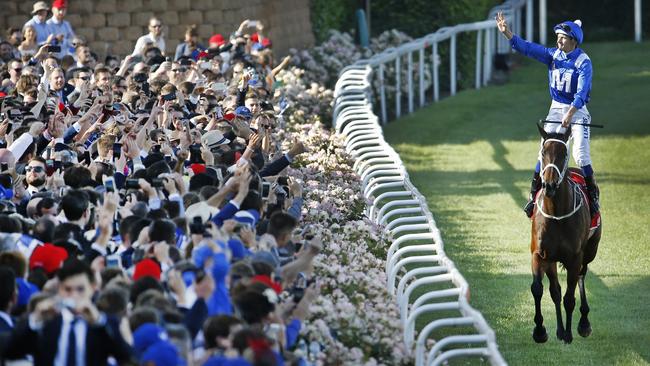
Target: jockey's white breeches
579 134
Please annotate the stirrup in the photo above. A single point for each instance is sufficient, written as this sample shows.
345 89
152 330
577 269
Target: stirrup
529 207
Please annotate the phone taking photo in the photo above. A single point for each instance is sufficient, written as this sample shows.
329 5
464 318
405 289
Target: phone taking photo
109 183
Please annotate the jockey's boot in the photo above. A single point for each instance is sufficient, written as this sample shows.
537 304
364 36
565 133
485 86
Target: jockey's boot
535 185
594 193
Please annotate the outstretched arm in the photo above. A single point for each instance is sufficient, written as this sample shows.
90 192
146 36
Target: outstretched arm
530 49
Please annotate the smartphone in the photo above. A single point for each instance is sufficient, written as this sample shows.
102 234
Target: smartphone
49 166
86 156
117 151
9 126
195 154
132 184
266 189
170 96
54 49
109 183
112 261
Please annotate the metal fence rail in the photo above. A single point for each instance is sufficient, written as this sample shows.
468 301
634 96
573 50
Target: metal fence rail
416 257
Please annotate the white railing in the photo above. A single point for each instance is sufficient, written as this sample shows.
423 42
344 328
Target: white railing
416 257
488 43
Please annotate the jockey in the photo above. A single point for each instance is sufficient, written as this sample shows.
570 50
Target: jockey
569 74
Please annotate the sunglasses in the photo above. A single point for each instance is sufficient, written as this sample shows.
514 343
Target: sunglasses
182 69
85 78
35 169
156 26
18 69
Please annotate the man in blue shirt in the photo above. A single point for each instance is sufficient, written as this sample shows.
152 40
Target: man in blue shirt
39 23
569 72
60 28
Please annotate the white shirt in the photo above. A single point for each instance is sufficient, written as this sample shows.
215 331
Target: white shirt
80 329
148 38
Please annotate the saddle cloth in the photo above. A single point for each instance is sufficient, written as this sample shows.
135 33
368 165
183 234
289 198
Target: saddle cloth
579 179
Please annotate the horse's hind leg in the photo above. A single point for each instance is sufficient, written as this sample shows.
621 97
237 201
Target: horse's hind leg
556 294
537 289
584 327
570 300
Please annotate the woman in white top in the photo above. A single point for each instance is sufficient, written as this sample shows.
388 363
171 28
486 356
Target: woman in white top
28 47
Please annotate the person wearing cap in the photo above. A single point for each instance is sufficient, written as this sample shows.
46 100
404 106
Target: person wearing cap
39 22
61 28
570 73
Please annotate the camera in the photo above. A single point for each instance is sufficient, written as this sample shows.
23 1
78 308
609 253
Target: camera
54 49
298 292
157 182
4 167
132 184
197 227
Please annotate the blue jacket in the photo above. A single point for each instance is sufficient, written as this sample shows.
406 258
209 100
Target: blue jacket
569 75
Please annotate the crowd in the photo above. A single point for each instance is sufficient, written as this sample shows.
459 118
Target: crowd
146 213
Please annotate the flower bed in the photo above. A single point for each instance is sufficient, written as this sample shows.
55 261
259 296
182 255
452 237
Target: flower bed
355 320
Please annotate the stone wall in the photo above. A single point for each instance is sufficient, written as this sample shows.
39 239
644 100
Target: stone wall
113 26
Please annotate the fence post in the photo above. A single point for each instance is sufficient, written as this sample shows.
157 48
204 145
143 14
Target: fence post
452 64
487 60
542 22
529 20
382 93
421 71
409 79
398 86
434 66
477 77
637 21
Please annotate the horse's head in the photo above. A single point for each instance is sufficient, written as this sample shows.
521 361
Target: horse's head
554 157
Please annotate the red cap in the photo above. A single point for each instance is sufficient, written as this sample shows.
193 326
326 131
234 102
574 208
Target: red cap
229 116
59 4
147 267
267 43
197 168
218 39
269 282
49 257
255 37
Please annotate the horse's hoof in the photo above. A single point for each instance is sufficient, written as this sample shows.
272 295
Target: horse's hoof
584 329
540 335
568 337
560 334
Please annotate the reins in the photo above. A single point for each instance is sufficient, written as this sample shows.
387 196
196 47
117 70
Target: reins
577 194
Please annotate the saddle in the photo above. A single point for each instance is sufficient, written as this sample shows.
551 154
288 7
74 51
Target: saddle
579 179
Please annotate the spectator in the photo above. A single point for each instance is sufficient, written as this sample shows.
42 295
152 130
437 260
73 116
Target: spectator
29 45
77 317
84 57
35 176
6 52
61 28
190 46
154 38
39 23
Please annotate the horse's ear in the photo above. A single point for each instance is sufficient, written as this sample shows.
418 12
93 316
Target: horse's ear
540 127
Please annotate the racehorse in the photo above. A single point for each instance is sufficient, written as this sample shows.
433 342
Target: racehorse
561 233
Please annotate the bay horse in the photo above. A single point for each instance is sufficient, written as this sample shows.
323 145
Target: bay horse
561 233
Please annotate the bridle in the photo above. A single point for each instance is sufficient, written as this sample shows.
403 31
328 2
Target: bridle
577 194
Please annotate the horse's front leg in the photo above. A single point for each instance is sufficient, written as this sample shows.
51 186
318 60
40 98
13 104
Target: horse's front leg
584 328
556 294
537 289
570 300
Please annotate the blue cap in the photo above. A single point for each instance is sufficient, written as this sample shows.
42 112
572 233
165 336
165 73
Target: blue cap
162 353
243 112
571 29
248 217
146 335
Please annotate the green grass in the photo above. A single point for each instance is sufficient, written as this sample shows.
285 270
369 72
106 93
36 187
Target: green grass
472 157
